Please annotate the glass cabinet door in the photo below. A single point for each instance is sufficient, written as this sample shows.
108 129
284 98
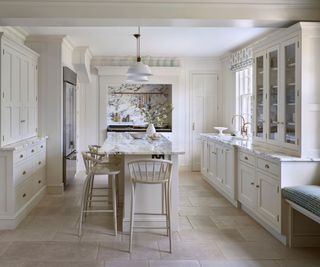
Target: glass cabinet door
259 93
290 94
273 84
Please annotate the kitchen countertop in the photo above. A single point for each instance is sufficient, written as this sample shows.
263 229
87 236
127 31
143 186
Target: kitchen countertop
124 143
247 145
23 144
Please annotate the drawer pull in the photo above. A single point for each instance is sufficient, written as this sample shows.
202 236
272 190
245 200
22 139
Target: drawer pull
267 166
246 158
24 195
39 182
252 183
32 151
41 146
23 121
257 186
39 162
24 173
21 156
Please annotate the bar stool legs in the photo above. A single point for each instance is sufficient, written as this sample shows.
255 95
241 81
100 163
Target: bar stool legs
114 203
132 216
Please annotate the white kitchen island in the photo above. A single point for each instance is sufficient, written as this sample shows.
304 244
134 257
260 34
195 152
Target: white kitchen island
122 148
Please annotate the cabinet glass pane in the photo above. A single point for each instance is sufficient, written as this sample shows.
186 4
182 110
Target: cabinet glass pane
290 90
259 96
273 95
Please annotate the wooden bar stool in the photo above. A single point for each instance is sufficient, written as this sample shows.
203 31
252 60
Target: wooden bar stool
152 171
94 167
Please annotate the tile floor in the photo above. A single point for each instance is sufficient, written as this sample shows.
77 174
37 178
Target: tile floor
213 234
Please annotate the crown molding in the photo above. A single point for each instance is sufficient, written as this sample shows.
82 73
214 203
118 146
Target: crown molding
15 33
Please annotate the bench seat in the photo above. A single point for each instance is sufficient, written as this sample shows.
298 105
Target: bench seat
306 196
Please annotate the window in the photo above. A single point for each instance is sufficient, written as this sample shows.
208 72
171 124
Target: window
244 96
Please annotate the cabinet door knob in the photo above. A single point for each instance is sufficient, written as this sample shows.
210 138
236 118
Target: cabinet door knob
23 121
24 173
24 195
39 162
41 146
39 182
257 186
21 156
246 158
267 166
252 183
32 150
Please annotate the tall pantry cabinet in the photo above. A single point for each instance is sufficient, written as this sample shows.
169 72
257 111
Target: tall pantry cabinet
19 92
22 152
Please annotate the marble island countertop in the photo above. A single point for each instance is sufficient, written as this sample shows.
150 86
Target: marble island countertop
247 145
124 143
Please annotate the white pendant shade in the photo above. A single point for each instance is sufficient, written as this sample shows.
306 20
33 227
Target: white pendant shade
136 78
139 69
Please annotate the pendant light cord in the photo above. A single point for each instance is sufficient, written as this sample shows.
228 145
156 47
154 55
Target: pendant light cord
137 36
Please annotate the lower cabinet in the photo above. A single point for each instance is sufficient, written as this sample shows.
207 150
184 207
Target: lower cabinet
22 180
247 185
217 167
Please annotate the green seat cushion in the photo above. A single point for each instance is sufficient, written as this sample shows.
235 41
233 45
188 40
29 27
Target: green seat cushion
306 196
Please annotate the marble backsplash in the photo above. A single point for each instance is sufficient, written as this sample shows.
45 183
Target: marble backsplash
125 102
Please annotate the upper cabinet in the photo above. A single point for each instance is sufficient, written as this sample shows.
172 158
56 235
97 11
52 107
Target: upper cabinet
19 92
286 90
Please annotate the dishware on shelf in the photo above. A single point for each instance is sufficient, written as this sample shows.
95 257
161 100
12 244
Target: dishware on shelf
138 135
151 129
155 136
220 129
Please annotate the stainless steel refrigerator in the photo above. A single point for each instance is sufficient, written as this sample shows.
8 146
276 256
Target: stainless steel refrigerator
69 126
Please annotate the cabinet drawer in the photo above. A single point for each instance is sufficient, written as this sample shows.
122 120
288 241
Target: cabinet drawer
39 180
247 158
40 161
19 156
22 172
31 151
41 146
24 193
268 166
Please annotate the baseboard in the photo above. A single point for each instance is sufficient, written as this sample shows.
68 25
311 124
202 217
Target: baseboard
224 194
184 168
12 222
55 189
305 241
271 230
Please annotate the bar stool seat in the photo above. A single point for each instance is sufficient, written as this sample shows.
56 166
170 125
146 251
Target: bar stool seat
152 171
94 167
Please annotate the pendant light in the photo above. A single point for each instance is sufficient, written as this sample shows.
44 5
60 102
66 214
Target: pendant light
138 72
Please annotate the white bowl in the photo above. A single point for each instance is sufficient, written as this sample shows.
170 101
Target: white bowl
220 129
138 135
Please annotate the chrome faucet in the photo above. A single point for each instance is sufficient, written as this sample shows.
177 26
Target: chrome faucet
243 121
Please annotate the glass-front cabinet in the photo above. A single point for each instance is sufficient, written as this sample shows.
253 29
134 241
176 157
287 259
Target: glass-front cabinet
273 94
289 50
259 92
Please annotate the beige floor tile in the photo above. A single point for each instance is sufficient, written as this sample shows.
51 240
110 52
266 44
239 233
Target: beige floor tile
184 223
209 234
23 251
227 211
255 234
29 235
11 263
132 263
201 221
63 264
297 253
299 263
145 251
185 211
115 250
174 263
69 251
209 201
249 250
191 251
240 263
3 247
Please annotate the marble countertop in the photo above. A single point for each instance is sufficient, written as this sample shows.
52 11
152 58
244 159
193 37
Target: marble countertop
23 144
124 143
248 146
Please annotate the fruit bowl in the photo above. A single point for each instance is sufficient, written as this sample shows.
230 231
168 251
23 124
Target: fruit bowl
220 129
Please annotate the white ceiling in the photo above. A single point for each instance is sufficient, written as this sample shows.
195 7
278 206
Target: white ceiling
156 41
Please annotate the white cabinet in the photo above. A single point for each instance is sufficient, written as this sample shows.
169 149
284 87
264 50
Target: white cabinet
19 92
246 185
22 179
217 167
286 94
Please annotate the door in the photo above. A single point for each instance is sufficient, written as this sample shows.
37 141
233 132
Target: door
259 96
290 93
269 199
273 122
246 186
229 171
204 89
